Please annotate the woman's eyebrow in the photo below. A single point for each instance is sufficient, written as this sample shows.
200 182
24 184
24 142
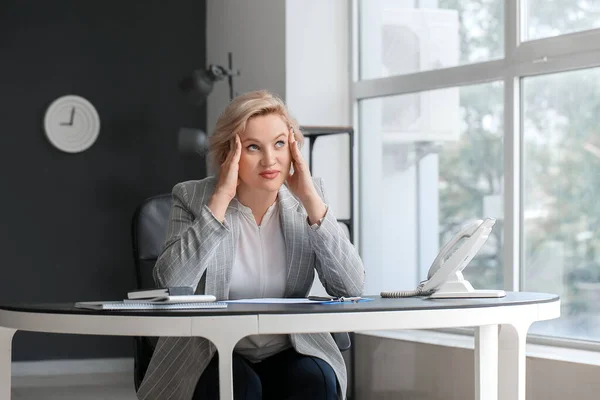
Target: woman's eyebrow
250 139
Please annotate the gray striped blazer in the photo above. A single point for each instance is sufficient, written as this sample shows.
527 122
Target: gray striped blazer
199 251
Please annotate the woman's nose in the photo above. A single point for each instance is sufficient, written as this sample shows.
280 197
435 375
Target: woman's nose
268 158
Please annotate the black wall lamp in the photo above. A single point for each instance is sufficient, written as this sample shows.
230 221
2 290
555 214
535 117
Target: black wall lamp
197 87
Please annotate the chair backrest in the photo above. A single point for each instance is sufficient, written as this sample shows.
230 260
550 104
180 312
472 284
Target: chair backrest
148 232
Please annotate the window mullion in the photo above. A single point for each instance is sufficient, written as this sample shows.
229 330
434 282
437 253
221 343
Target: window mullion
512 184
512 148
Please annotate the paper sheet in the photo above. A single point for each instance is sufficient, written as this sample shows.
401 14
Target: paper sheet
269 300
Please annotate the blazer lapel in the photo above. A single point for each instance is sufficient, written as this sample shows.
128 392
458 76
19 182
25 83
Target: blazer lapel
218 274
299 261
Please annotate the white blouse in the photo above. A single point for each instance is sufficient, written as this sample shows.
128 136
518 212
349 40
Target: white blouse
259 270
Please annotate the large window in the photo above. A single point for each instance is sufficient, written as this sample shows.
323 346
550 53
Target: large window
561 174
437 164
469 109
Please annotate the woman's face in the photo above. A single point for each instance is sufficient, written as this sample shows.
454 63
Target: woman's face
265 159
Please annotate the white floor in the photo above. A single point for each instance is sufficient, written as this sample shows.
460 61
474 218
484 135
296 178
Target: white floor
79 387
74 393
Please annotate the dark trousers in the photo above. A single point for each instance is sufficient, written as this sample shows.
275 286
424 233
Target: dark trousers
284 376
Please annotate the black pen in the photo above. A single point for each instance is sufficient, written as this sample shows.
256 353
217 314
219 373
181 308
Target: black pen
322 298
340 299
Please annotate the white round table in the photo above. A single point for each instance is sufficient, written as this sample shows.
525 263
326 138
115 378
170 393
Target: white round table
500 337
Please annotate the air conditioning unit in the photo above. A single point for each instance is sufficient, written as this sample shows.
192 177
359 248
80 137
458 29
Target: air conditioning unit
414 40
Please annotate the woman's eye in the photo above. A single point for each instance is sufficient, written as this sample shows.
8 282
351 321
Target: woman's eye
280 143
252 147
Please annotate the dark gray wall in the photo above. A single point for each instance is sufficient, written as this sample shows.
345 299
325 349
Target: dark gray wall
66 217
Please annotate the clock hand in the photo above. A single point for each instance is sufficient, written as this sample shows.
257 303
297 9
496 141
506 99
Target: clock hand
70 123
72 116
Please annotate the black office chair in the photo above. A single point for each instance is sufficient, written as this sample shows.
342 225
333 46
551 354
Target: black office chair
148 231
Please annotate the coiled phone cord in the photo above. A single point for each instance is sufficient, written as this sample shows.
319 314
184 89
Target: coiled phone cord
407 293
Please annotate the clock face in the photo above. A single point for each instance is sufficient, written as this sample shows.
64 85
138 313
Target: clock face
72 124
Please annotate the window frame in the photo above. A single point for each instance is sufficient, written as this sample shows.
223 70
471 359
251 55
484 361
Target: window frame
568 52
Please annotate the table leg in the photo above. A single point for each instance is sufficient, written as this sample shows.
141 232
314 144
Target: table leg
486 362
512 361
225 333
225 372
6 336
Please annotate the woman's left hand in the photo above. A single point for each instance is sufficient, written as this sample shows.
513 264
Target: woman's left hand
301 183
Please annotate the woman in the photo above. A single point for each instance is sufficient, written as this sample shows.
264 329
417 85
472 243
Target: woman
256 230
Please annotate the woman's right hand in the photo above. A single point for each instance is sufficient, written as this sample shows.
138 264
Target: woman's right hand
228 181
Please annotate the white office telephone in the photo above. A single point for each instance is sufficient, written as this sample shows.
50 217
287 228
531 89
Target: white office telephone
445 279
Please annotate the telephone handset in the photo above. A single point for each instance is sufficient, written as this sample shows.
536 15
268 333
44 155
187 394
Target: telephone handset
445 279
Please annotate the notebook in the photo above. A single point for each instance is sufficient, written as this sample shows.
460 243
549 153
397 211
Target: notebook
161 292
196 298
120 305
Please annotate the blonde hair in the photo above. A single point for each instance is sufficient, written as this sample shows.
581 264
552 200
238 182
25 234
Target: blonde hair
237 114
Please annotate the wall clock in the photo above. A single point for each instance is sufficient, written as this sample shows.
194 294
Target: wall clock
72 124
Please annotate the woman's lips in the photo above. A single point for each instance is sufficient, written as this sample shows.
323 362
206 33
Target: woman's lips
269 174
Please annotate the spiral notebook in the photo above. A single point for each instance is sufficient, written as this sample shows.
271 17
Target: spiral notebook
146 305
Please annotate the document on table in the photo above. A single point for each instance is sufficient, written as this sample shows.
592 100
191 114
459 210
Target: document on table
300 300
269 300
147 305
